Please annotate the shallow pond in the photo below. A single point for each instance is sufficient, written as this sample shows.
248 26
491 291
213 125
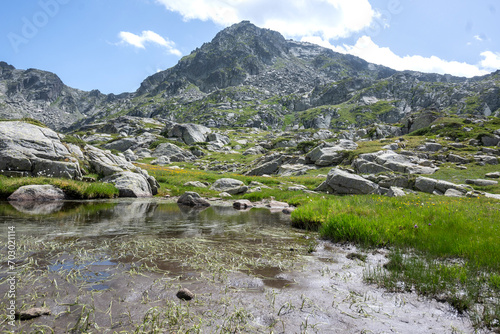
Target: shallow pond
115 266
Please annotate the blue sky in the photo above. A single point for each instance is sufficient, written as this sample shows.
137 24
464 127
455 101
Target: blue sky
112 45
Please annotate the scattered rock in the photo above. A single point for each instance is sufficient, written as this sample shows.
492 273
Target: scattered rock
395 192
481 182
341 182
44 192
277 205
288 211
184 294
230 186
494 175
453 193
225 195
196 184
190 198
433 186
130 184
189 133
31 313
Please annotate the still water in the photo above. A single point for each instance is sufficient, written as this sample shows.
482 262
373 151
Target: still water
115 266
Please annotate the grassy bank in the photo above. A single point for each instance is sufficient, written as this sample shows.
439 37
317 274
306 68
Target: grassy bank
453 244
74 189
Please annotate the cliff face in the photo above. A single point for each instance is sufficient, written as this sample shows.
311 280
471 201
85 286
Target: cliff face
248 76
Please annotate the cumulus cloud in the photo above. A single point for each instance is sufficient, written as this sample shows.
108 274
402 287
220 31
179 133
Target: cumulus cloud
491 60
148 36
330 19
365 48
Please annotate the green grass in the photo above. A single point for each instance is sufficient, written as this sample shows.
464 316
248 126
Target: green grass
448 172
74 189
452 244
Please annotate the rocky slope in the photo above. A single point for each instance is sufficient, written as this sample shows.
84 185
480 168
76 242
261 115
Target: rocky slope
253 77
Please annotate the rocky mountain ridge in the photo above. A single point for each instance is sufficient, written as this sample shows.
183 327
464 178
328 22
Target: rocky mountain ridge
252 77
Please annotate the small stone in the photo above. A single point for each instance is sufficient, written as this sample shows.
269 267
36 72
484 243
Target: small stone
32 313
494 175
288 211
185 294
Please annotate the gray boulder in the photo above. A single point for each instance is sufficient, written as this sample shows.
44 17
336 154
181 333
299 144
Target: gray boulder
453 193
130 184
255 150
481 182
342 182
293 170
494 175
30 150
491 140
395 192
190 198
44 192
189 133
438 187
385 161
121 145
105 162
230 186
218 138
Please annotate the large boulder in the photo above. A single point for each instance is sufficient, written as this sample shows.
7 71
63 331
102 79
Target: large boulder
189 133
31 150
130 184
231 186
44 192
341 182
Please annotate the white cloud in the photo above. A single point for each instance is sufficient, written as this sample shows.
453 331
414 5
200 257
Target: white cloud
148 36
491 60
365 48
478 38
329 19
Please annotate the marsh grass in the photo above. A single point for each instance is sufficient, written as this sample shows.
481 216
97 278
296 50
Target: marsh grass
453 242
74 189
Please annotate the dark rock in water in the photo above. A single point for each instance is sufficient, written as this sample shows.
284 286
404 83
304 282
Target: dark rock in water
185 294
242 204
190 198
32 313
44 192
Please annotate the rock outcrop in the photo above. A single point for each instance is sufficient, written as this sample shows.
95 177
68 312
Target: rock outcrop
344 183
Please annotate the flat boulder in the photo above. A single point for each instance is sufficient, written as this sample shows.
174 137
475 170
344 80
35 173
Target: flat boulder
481 182
45 192
342 182
438 187
231 186
190 198
130 184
